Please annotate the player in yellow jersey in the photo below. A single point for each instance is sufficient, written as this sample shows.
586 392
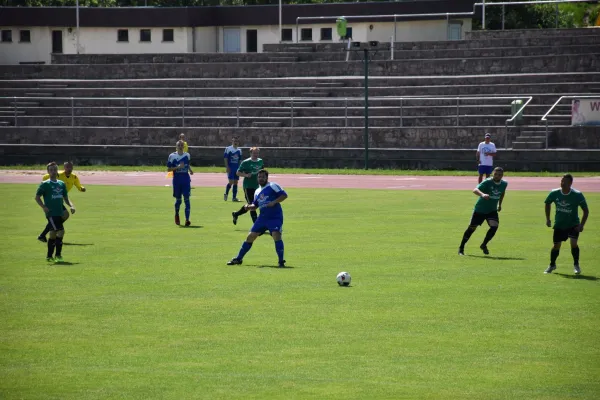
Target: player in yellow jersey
69 179
185 145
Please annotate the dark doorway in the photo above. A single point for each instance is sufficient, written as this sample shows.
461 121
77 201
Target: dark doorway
57 42
251 41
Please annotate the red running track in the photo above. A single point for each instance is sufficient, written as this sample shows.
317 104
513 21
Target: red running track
89 178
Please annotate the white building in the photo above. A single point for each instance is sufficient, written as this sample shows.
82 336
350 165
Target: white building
30 35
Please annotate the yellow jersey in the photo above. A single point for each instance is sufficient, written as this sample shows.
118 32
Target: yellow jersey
70 181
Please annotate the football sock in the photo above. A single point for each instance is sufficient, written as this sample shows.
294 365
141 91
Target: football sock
59 244
466 237
243 250
279 249
554 255
575 253
234 191
227 189
187 208
253 215
177 205
51 244
489 235
46 230
241 211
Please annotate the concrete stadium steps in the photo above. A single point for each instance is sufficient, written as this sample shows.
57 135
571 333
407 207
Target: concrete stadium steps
530 33
549 64
323 81
507 42
434 138
333 55
308 157
337 92
244 121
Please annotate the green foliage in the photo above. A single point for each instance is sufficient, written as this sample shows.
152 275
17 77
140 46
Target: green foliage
148 310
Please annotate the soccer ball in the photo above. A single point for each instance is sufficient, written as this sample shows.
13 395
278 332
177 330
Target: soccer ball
343 279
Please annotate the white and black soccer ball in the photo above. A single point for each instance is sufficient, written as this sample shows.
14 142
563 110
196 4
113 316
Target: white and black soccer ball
343 279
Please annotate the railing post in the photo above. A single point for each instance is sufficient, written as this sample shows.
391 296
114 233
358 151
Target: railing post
292 113
72 112
346 113
391 48
502 16
237 105
457 109
546 134
16 114
127 110
182 112
505 135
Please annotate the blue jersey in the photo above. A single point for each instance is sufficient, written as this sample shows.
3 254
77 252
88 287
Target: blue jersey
266 194
181 175
233 157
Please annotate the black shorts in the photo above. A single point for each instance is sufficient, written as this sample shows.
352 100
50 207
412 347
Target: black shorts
249 193
561 235
478 218
55 223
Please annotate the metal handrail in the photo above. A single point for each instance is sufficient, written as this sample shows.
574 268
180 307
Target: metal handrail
545 117
513 118
188 102
447 15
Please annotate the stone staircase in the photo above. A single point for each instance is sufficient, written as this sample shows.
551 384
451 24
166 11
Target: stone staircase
531 138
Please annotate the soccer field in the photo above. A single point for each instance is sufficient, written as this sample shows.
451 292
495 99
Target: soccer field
145 309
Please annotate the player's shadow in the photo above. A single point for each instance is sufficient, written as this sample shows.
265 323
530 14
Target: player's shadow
191 226
582 277
271 266
78 244
497 258
64 263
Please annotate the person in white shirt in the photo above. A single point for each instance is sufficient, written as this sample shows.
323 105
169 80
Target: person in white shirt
486 151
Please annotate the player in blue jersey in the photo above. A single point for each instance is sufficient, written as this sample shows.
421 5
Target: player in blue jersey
268 200
179 164
232 158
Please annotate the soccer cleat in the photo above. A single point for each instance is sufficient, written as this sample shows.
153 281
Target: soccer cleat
235 200
188 223
235 217
484 248
50 259
550 268
58 259
42 239
281 264
576 269
461 251
177 219
234 261
225 197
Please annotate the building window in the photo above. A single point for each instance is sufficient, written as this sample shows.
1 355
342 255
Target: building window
25 36
6 36
123 35
348 33
326 34
286 35
168 35
145 35
306 34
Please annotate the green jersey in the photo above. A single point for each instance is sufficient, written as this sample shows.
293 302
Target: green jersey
53 194
251 167
495 190
567 212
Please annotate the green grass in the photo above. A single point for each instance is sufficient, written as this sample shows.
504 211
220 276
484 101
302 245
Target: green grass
145 309
159 168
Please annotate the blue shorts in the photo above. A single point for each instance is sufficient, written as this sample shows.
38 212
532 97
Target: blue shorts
485 169
263 225
181 189
231 175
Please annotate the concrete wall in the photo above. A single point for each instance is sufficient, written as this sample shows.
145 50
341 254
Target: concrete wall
37 50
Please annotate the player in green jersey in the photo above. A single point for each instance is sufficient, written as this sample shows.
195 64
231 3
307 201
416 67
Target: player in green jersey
566 220
491 194
248 169
54 193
